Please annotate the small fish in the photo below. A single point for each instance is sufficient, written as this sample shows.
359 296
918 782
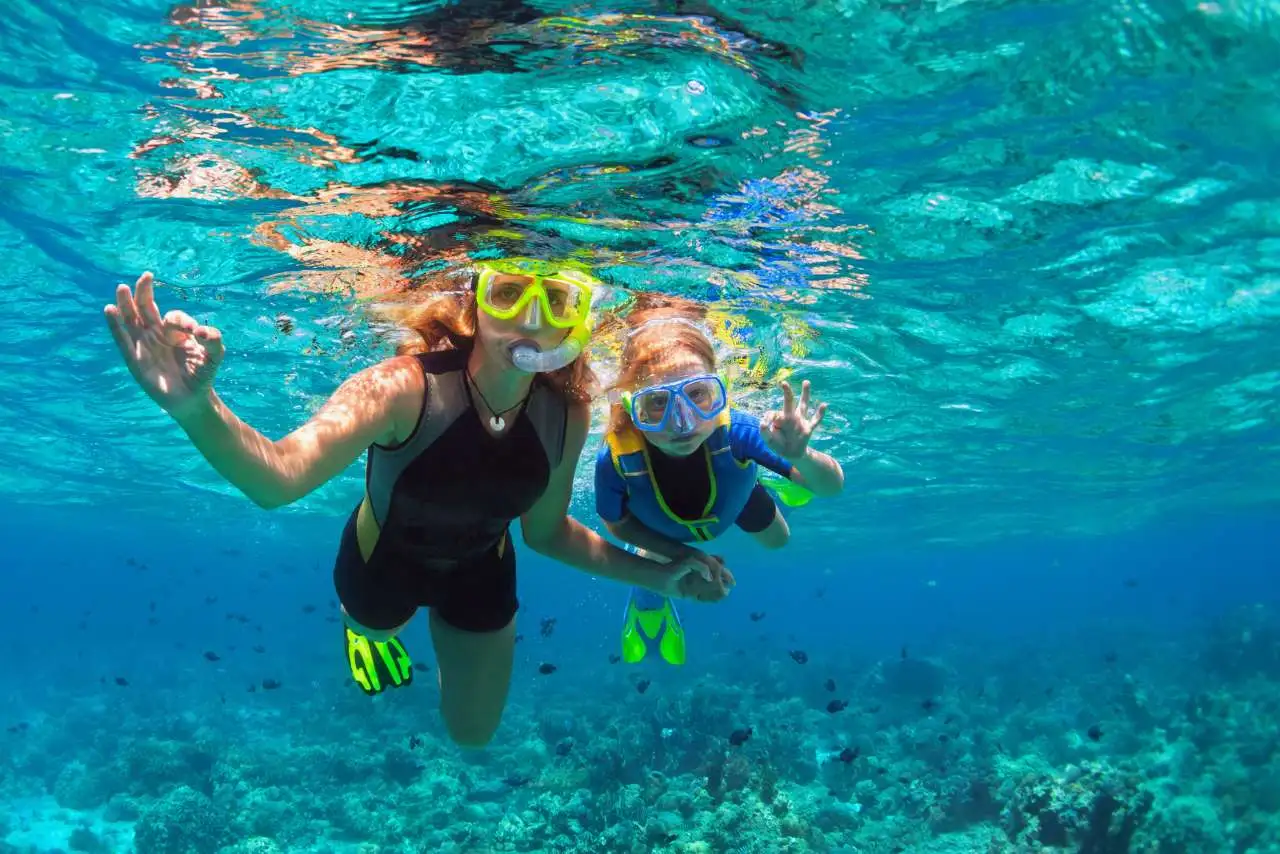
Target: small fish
614 658
122 682
1110 657
849 754
548 626
259 648
210 655
515 781
799 656
873 709
209 600
739 737
643 685
903 652
1095 732
546 668
420 667
757 616
944 738
270 684
928 704
22 726
1131 583
830 685
837 706
519 638
565 747
415 742
308 608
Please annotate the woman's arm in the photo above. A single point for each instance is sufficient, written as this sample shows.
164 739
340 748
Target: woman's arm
550 531
372 406
631 530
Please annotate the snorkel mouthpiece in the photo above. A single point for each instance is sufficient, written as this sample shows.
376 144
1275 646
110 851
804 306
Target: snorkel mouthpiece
526 356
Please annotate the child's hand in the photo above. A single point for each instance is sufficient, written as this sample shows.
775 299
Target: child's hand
787 433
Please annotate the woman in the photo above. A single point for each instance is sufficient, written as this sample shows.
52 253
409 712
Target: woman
680 465
480 423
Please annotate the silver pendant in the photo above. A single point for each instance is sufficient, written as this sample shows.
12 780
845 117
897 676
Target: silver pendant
498 423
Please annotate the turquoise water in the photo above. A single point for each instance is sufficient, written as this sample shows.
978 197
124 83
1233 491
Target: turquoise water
1028 253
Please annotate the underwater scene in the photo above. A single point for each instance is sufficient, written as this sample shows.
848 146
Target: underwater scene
878 399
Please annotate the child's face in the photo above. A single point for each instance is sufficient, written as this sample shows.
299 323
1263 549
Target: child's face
672 440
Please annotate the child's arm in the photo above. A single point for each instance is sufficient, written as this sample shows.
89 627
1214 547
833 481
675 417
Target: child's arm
818 473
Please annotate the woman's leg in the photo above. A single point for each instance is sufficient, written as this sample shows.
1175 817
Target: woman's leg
475 676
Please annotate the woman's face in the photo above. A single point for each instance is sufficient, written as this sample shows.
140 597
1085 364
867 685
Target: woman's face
675 367
496 338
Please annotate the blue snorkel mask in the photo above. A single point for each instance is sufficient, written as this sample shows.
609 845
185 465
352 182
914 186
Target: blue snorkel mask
678 406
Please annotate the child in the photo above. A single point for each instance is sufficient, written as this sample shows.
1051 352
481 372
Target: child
680 465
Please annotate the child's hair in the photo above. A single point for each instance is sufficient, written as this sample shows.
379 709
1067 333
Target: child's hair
657 328
447 321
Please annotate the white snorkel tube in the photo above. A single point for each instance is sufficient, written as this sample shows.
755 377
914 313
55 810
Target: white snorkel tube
526 356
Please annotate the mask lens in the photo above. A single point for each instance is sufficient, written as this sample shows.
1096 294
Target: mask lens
504 291
648 408
706 395
566 301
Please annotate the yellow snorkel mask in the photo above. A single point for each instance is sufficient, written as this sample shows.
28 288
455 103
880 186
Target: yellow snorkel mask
559 293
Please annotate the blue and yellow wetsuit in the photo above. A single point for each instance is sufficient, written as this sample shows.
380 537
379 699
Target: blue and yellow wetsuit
688 499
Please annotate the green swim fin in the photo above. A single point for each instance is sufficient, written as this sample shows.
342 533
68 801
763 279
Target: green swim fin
789 493
652 620
377 665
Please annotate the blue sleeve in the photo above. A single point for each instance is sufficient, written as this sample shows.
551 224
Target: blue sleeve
611 490
747 444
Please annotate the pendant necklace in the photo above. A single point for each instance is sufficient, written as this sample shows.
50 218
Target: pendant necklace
496 421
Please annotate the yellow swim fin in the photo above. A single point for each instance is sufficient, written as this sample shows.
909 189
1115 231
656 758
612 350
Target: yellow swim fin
377 665
652 620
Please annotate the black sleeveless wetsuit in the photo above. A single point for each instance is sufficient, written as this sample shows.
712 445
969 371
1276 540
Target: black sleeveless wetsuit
443 500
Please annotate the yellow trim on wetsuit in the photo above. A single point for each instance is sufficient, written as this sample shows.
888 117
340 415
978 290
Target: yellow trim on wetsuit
628 440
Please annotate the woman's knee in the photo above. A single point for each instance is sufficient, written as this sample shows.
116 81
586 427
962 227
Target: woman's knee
472 731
